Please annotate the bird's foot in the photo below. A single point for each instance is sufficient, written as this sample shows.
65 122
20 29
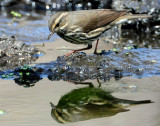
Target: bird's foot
97 53
68 54
102 52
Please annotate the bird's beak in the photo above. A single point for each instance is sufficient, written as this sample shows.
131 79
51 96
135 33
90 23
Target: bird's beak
50 35
52 105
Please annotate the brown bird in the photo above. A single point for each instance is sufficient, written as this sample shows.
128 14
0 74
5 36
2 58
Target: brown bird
85 26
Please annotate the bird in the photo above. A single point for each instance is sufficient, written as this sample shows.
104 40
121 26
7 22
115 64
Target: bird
86 26
89 103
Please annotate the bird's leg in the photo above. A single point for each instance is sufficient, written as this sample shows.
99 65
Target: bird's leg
88 47
95 51
99 82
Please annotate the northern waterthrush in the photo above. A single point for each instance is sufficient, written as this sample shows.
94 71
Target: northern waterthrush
85 26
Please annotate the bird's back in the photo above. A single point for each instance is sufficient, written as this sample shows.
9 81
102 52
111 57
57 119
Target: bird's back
90 20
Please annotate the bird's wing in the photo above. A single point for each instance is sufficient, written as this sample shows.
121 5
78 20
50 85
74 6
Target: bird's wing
100 18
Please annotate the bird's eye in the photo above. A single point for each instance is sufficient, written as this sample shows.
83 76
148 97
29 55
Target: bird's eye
57 25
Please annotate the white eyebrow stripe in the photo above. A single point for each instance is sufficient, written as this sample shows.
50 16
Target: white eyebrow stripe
58 19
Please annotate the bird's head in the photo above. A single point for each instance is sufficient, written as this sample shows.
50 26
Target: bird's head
56 22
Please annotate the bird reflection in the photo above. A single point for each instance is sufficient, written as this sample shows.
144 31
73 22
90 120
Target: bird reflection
88 103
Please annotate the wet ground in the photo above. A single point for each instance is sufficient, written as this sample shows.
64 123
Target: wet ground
128 67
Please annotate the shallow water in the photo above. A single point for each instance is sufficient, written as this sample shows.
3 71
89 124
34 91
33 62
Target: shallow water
29 29
31 106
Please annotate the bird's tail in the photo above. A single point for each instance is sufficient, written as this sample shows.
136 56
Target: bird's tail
127 17
135 16
132 102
